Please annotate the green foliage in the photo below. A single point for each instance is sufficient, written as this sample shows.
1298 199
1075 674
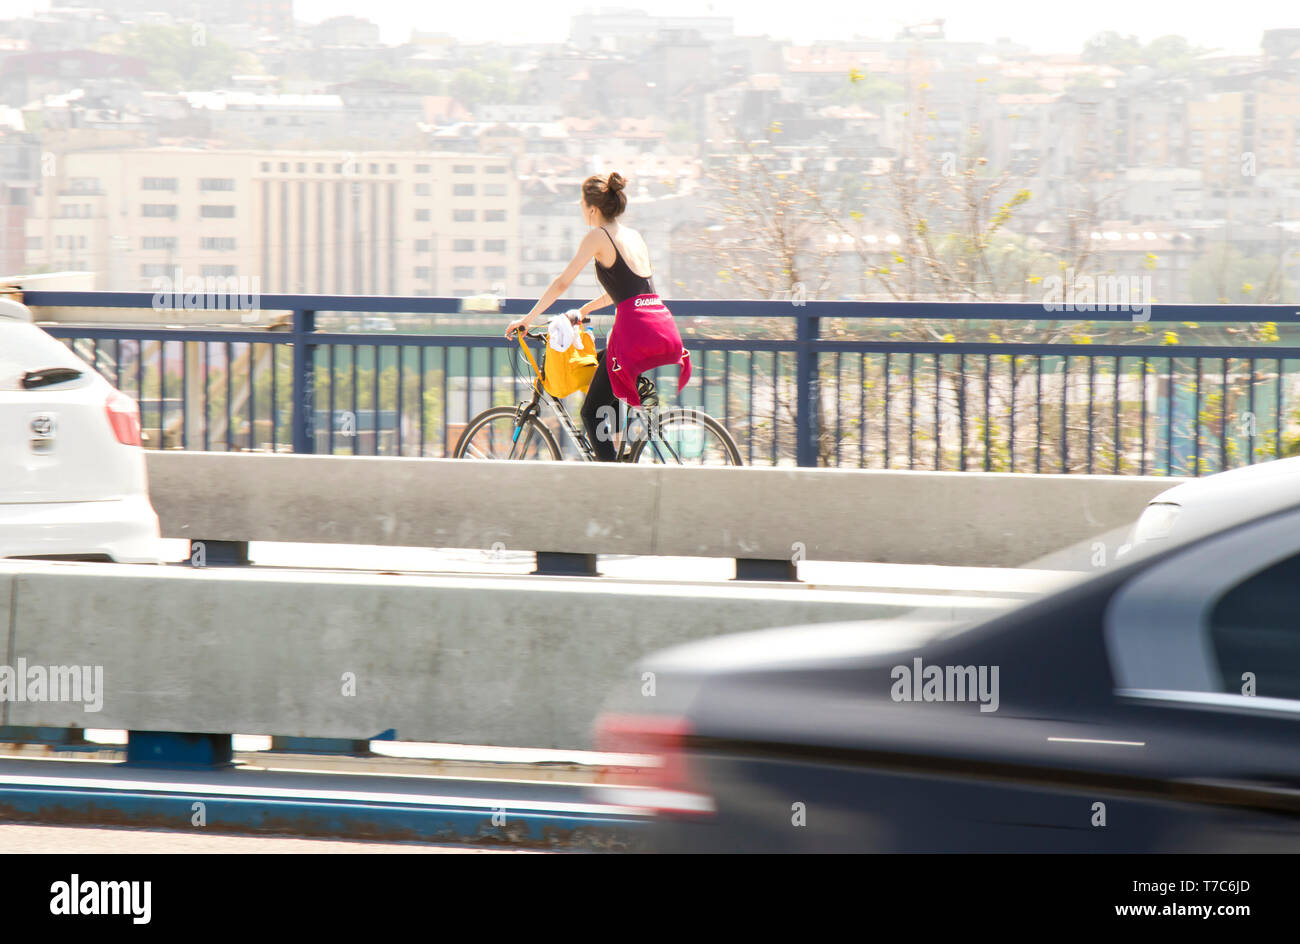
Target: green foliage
1224 275
863 88
1169 54
179 59
681 132
486 83
1110 48
423 80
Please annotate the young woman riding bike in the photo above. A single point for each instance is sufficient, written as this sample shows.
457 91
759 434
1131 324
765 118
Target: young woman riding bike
643 337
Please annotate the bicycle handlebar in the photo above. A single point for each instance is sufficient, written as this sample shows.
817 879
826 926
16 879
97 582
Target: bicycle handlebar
539 333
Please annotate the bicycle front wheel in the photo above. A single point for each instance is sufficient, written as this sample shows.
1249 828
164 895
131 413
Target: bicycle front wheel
493 435
686 437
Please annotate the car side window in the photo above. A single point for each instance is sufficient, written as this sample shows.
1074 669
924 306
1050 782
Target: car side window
1255 628
1186 625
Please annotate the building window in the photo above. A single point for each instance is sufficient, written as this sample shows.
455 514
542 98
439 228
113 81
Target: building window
374 168
392 168
422 190
320 168
462 190
422 168
495 272
496 169
284 167
462 272
158 242
302 167
35 242
166 210
494 245
494 216
217 211
216 183
152 270
219 243
462 245
462 168
462 216
218 271
266 167
422 245
422 272
158 183
494 190
421 216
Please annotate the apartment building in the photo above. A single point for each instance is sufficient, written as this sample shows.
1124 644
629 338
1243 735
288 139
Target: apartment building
550 230
402 223
1236 134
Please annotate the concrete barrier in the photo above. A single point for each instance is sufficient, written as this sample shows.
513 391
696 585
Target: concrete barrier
515 662
956 518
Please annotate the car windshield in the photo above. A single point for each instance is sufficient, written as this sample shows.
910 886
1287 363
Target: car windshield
25 348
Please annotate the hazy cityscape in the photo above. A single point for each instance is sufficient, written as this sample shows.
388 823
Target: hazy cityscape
726 427
236 140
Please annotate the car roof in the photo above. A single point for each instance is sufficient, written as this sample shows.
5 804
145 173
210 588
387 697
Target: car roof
11 310
1235 496
1274 475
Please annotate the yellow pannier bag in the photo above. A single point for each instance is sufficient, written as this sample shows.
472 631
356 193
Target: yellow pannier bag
567 371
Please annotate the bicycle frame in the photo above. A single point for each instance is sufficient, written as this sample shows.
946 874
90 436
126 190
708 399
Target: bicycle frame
629 417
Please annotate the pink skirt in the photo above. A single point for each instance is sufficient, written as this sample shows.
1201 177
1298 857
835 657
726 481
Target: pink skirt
644 337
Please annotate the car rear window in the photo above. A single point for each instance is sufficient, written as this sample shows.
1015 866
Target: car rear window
25 347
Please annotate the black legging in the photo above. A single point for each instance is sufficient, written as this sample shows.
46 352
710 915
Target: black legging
600 423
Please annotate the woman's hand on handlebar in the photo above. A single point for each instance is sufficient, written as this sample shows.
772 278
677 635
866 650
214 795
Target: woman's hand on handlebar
574 315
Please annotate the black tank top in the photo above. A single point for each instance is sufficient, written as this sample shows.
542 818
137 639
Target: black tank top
619 281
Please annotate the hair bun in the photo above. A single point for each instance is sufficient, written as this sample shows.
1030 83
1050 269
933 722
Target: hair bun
615 181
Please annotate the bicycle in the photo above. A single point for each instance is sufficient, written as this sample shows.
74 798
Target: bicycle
679 435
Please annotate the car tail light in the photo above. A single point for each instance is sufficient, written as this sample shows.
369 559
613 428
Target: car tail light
124 417
667 782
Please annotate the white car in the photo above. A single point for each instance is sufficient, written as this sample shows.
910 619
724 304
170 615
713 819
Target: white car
1205 504
72 471
373 323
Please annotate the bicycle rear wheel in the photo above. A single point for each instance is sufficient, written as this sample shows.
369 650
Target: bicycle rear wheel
687 437
492 435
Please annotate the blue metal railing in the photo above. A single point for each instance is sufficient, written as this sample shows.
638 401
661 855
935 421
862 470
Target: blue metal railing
789 391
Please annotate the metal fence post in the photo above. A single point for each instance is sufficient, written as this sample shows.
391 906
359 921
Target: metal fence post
304 382
808 397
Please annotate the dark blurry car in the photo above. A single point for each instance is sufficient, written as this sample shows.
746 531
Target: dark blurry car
1150 707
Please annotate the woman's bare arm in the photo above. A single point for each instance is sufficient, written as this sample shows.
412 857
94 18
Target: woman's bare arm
596 303
560 284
